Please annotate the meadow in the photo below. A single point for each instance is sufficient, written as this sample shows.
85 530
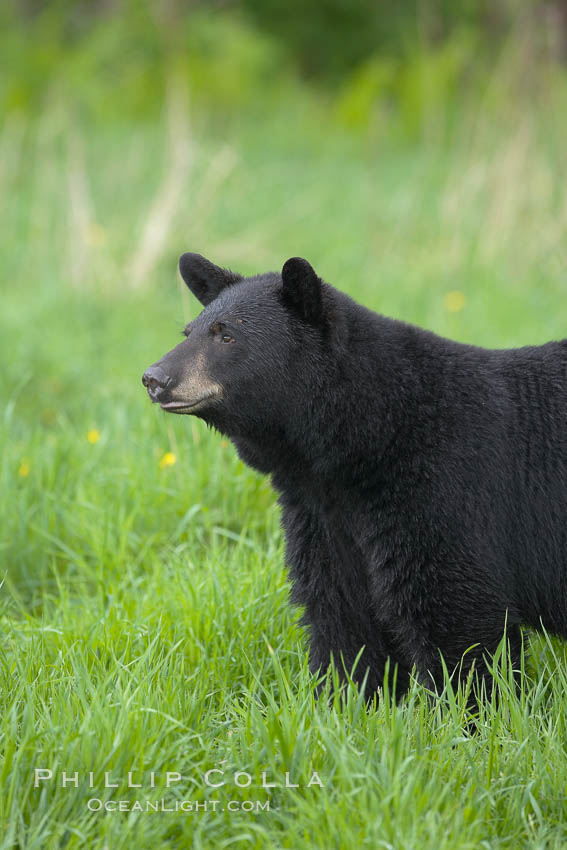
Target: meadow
144 608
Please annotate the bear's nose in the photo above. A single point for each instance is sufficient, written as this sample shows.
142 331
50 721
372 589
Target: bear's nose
155 380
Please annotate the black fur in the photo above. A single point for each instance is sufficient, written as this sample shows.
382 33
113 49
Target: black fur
423 483
207 280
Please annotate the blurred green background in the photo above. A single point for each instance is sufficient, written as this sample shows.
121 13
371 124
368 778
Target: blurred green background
416 153
408 148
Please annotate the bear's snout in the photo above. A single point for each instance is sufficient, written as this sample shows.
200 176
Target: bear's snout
156 381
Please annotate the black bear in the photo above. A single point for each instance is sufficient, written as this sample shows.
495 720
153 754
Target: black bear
423 482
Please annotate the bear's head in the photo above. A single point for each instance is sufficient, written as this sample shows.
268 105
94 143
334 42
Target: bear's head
254 355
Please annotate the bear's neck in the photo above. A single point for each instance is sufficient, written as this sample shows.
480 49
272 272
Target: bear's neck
352 427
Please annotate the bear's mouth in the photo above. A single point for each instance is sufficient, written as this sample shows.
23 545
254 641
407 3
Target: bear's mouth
186 406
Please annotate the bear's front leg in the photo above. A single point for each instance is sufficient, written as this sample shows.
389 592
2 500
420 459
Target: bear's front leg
372 656
330 582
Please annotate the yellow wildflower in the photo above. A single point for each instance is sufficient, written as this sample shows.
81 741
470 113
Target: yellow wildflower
96 235
454 301
24 469
167 460
93 436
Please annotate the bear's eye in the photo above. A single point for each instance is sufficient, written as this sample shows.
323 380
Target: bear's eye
221 333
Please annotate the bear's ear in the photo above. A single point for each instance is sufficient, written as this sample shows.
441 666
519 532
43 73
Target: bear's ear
204 279
302 290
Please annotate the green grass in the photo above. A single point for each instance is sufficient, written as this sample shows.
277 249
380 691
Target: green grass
144 610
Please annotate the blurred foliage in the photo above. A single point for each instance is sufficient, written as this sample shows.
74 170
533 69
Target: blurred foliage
116 62
375 62
332 37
